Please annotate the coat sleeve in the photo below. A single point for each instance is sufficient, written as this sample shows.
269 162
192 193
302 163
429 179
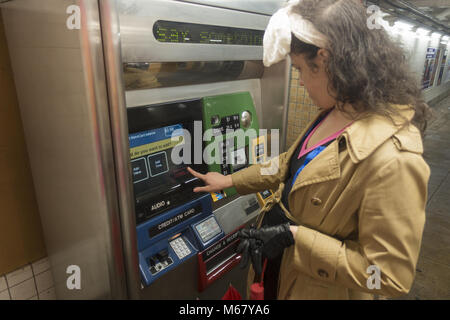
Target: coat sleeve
391 222
261 177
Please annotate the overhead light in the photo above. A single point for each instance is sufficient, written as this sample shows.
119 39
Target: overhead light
436 35
403 26
423 32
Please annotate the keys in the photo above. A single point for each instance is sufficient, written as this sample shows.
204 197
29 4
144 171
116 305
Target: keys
180 247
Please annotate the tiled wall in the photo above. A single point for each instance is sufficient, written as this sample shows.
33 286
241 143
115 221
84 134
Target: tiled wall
32 282
301 109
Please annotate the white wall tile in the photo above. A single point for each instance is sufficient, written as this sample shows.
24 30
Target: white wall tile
3 285
4 295
44 281
24 290
48 294
41 266
19 276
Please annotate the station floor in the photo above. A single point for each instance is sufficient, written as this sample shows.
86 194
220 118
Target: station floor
433 269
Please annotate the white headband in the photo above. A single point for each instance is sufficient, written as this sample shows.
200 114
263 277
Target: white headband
277 38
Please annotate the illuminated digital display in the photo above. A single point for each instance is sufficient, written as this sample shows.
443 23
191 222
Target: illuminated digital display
180 32
208 229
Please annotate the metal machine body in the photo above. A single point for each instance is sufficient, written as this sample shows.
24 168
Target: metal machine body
78 91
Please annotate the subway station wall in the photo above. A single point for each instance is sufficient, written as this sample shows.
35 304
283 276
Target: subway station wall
416 48
21 238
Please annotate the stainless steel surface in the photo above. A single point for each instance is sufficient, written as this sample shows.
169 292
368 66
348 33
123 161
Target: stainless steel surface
267 7
233 215
119 128
274 99
149 75
139 45
60 80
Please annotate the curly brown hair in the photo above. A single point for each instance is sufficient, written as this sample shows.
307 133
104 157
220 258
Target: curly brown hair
367 69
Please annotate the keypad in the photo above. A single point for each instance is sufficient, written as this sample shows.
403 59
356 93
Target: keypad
180 247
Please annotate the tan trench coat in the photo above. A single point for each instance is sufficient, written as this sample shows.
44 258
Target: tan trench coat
359 203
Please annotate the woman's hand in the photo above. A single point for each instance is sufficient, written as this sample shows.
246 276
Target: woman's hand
214 181
265 242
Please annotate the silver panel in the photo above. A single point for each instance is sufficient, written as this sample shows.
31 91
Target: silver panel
119 127
139 45
232 215
142 75
274 97
267 7
138 98
60 79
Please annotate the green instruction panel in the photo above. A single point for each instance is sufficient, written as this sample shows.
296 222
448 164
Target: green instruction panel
233 125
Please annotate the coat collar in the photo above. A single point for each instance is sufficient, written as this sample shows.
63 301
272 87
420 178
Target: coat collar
365 135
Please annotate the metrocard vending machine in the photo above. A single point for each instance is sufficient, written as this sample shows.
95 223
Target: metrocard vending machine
117 109
178 229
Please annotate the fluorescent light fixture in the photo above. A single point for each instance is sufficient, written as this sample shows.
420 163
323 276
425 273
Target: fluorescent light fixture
423 32
403 26
436 35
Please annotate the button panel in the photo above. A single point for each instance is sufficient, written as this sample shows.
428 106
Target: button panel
180 247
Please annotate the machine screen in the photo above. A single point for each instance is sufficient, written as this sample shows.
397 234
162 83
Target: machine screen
150 153
208 229
181 32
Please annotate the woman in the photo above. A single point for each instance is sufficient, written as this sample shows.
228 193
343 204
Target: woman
348 214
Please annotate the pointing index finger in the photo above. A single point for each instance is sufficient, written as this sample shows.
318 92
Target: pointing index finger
195 173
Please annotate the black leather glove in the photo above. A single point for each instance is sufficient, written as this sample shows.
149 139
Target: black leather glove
267 242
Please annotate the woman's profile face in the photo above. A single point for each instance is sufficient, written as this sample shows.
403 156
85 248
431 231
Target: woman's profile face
315 81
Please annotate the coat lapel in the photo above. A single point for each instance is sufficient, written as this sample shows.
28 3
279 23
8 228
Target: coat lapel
324 167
